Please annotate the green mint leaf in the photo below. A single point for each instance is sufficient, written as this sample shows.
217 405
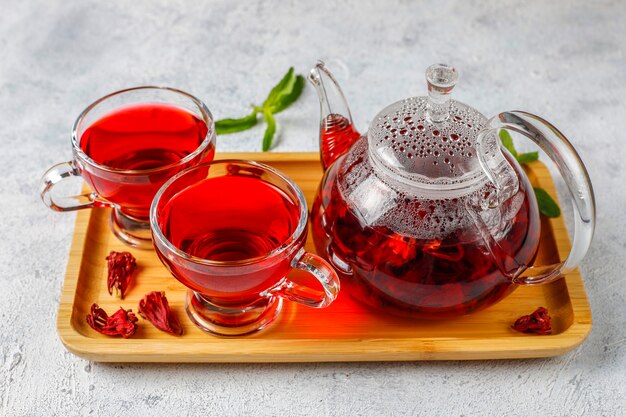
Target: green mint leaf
282 95
289 95
278 88
507 142
524 158
226 126
547 206
269 132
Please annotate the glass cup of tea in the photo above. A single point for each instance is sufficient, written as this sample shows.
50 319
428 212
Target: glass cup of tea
231 231
126 145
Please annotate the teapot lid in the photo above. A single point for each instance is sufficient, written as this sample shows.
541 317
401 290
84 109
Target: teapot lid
429 141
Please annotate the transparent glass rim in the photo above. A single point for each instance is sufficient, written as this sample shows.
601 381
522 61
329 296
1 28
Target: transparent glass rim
285 246
206 113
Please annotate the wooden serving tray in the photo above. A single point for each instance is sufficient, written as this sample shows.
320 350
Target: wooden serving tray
346 331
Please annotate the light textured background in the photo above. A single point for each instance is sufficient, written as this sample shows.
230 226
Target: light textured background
561 59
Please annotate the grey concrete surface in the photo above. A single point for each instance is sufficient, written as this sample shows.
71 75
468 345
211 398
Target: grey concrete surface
561 59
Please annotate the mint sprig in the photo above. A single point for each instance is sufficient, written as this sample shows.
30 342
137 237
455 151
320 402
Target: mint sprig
547 206
271 129
226 126
281 96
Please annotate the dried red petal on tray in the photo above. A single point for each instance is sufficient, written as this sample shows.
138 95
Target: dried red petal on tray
155 308
122 323
121 266
539 322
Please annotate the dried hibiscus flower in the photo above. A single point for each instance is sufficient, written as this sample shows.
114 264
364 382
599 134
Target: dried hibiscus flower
121 266
155 308
122 323
537 323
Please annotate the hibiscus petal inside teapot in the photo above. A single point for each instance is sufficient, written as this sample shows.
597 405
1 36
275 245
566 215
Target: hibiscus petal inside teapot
426 215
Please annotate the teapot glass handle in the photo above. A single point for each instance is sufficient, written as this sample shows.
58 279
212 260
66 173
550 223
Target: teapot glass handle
571 168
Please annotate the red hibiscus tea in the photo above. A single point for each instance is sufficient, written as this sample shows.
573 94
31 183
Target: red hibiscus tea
148 139
232 231
232 219
125 146
426 278
337 135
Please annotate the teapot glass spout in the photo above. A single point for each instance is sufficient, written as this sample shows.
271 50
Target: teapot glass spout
337 132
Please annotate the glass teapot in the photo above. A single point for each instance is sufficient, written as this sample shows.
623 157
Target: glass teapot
427 215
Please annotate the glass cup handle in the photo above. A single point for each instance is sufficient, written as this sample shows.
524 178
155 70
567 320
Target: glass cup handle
311 297
59 173
573 171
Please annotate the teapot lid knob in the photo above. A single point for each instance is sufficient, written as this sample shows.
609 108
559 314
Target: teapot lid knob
429 140
441 80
